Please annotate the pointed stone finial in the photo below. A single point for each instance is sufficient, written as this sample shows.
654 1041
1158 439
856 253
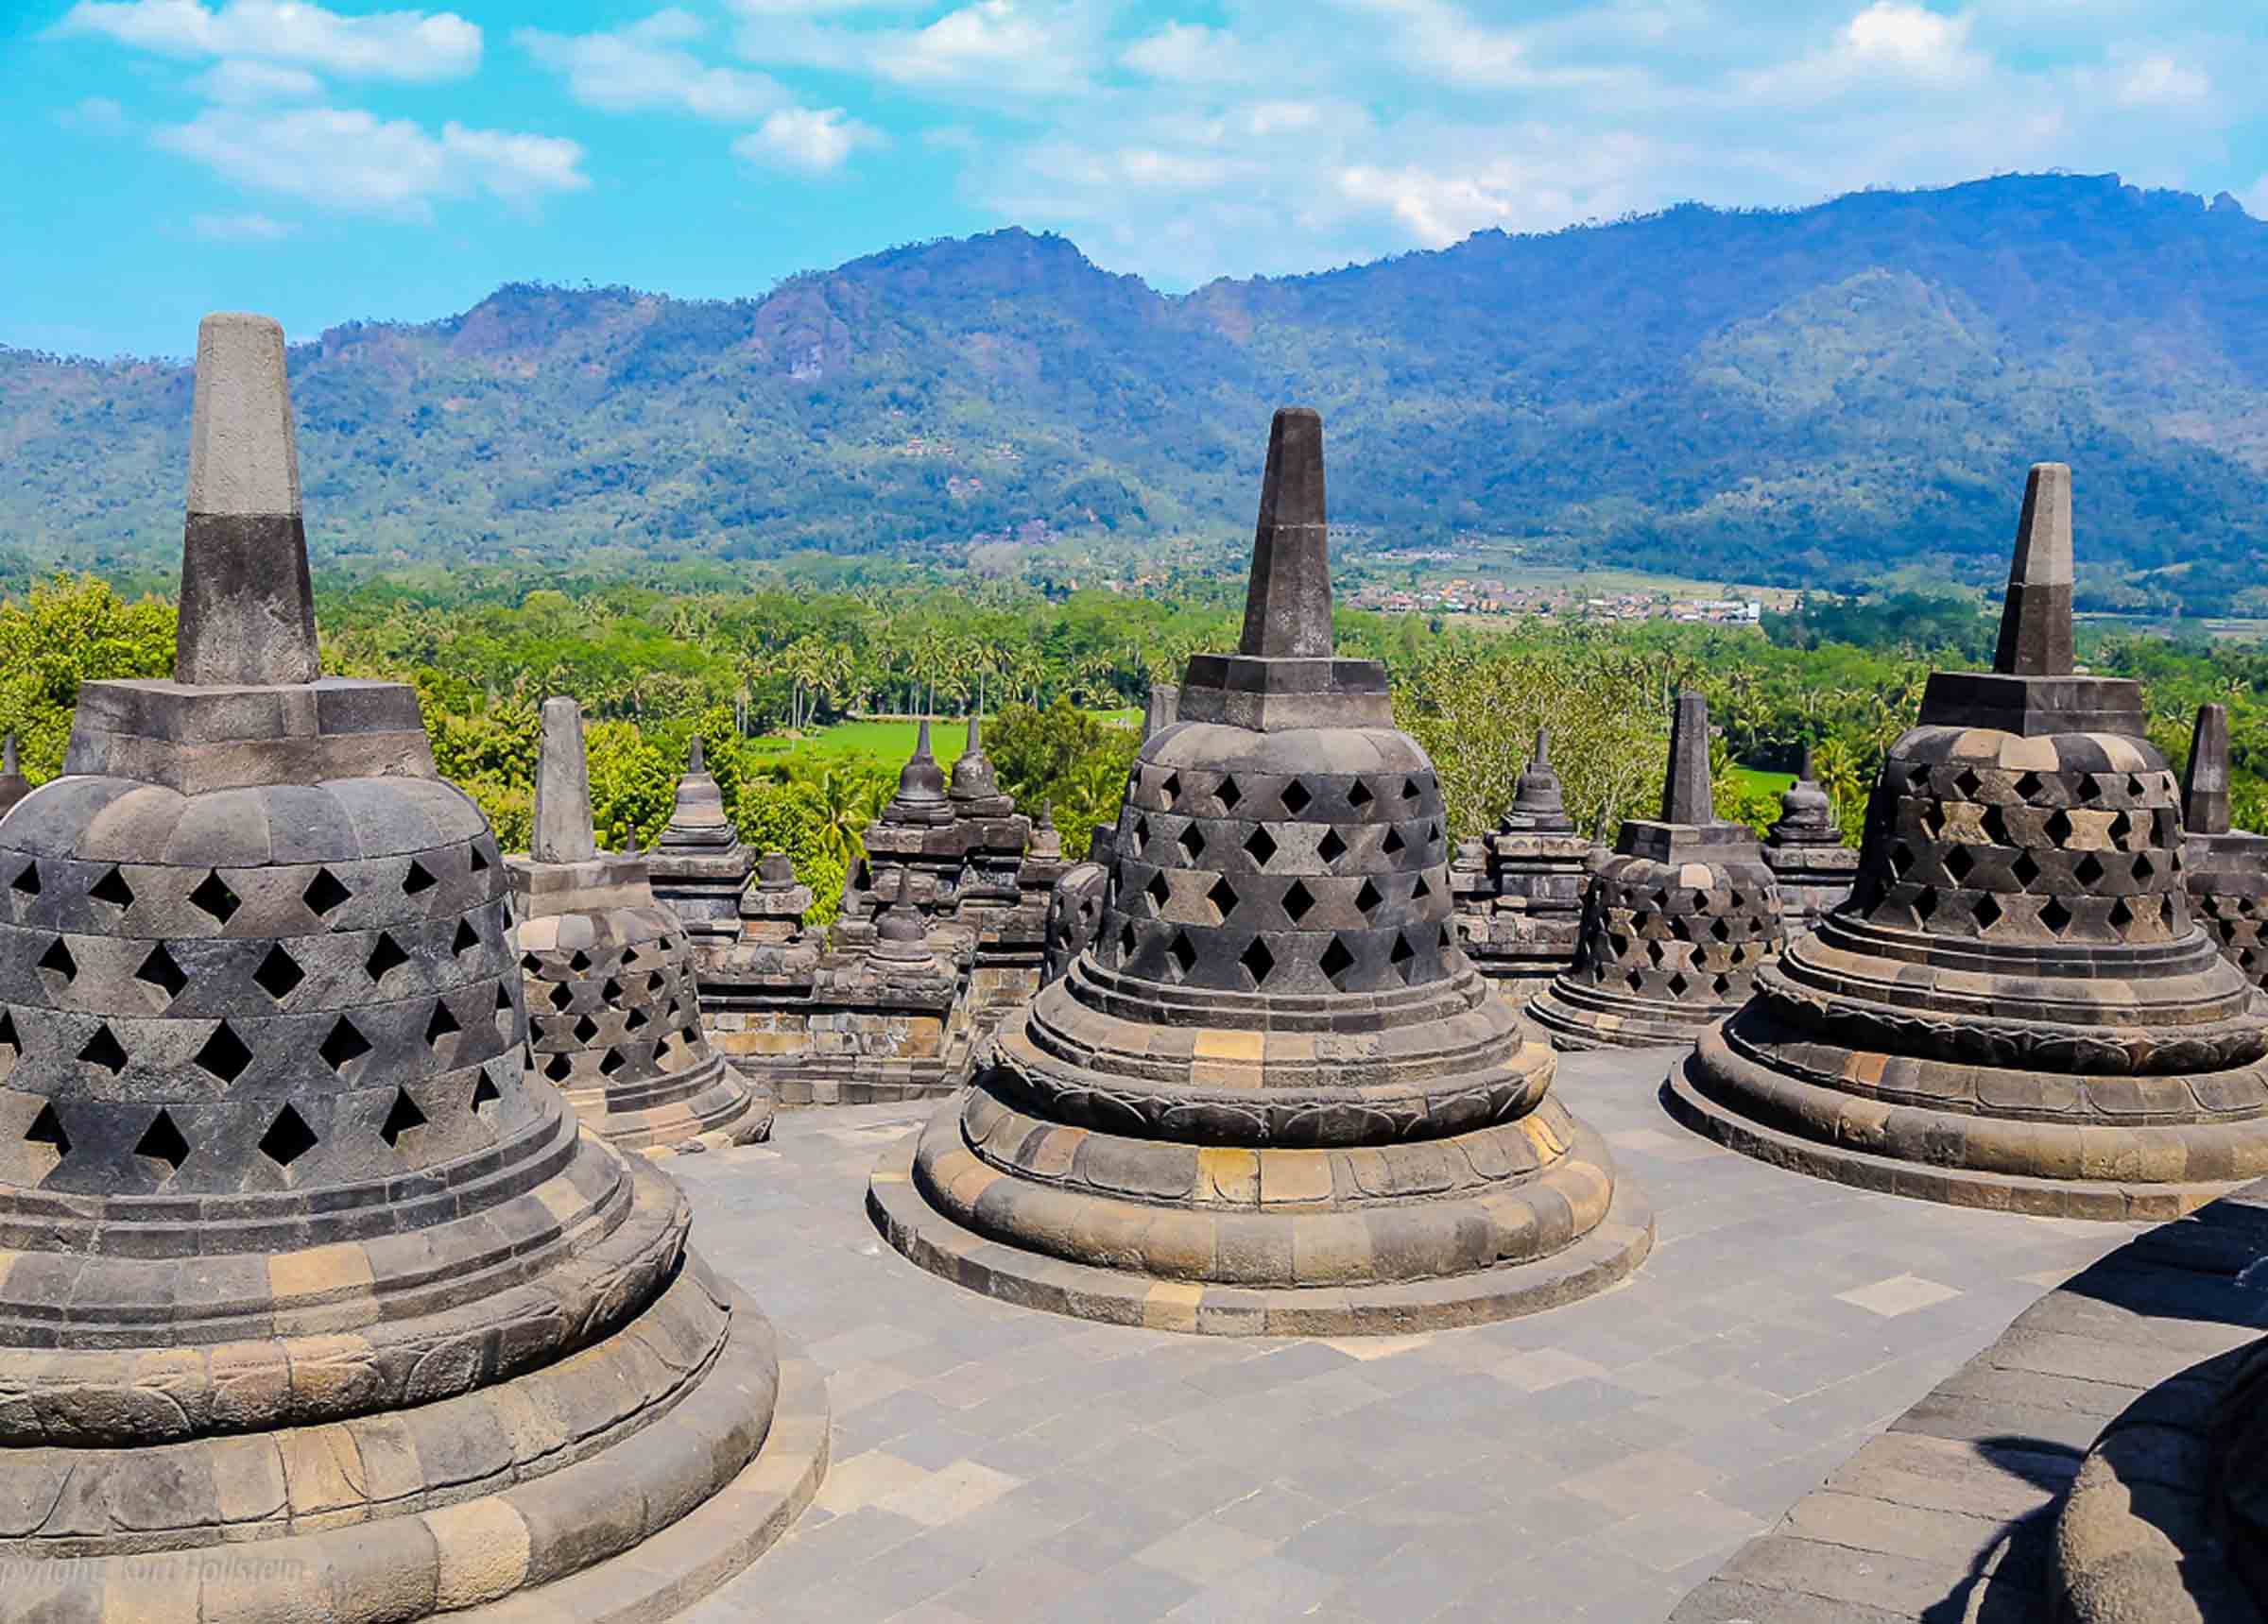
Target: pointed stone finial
2035 621
1288 606
977 743
8 755
1804 773
697 760
1047 811
1162 712
1541 758
1685 796
563 833
247 606
2204 780
921 743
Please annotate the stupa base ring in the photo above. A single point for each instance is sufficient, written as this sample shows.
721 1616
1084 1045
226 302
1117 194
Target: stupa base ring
1605 1256
1710 1091
608 1540
1580 1018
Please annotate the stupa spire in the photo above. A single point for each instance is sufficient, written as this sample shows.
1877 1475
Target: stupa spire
1288 606
8 755
247 606
921 743
2204 780
562 832
698 759
1685 794
2035 621
1541 758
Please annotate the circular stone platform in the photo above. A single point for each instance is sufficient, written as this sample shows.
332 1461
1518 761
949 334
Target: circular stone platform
1608 1254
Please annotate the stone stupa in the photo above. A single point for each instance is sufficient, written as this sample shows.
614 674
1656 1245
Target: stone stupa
1806 854
1273 1096
699 866
614 1012
1675 924
2226 869
2015 1008
317 1307
1521 889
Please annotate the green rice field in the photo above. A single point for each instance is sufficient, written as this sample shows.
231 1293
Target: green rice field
891 739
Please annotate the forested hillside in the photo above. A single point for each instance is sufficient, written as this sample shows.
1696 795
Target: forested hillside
1806 396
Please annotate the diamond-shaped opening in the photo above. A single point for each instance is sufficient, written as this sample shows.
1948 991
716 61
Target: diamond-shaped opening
484 1093
345 1045
112 888
288 1138
1182 951
279 973
1720 928
1142 831
2122 828
1127 942
630 957
417 880
1403 956
47 1129
1159 892
580 961
2055 915
214 898
611 992
1677 984
1925 905
1410 790
1229 794
2025 869
2143 868
466 937
1223 897
1192 844
58 958
1721 984
637 1018
1392 844
1170 788
2087 870
1358 795
1368 898
444 1024
1336 961
162 1141
1419 889
561 996
225 1055
1260 848
401 1119
1958 863
104 1049
1295 797
1432 833
2027 786
585 1030
661 1046
325 894
1655 951
2058 826
1330 848
1258 962
1901 857
611 1063
26 882
1633 980
2091 787
478 862
559 1066
160 972
1967 782
1297 903
2121 916
386 954
1987 911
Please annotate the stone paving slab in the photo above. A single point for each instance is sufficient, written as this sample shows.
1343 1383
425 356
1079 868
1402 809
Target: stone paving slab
1594 1462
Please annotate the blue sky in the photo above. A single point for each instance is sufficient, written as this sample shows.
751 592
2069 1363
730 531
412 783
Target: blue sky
325 163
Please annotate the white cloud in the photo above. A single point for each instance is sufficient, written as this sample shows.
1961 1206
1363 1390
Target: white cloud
642 66
1913 39
383 44
240 229
2256 198
2160 80
1190 53
1534 180
813 140
97 113
349 159
985 48
238 82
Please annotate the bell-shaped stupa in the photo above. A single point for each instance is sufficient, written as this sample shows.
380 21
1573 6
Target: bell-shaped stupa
317 1305
614 1011
2226 868
1519 891
699 866
1271 1096
1806 854
1675 924
2014 1008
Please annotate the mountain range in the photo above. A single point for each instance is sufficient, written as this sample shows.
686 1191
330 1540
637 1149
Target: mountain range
1810 397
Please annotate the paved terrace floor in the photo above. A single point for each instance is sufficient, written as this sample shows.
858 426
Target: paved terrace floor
993 1464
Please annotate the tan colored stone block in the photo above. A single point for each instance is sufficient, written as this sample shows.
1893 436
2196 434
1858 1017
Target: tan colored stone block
484 1550
1215 1044
322 1471
1172 1306
1295 1176
319 1271
1228 1175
